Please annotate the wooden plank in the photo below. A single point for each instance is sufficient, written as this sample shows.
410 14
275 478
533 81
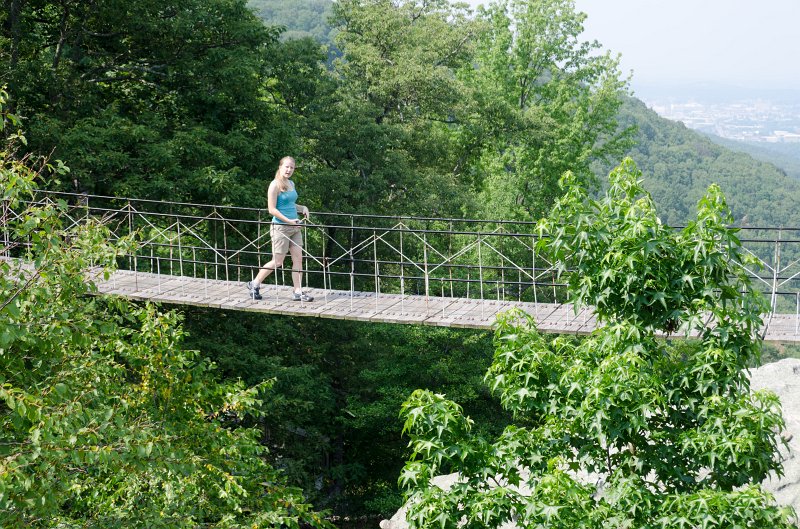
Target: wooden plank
564 319
340 304
470 313
414 309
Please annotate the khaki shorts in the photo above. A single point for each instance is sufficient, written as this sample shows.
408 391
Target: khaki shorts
284 236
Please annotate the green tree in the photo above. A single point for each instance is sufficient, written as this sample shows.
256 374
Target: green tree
105 419
375 135
147 99
624 428
431 101
548 103
330 420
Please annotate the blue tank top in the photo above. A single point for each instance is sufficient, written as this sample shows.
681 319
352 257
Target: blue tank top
286 204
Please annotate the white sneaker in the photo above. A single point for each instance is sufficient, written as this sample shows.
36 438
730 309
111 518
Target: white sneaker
255 292
302 296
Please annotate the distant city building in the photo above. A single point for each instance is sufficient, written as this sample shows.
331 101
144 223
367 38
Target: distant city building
782 136
757 120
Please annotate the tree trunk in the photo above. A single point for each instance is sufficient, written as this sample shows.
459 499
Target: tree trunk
14 10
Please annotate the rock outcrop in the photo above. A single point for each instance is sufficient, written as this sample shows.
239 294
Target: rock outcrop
783 378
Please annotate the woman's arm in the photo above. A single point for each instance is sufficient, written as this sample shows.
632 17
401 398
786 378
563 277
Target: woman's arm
302 210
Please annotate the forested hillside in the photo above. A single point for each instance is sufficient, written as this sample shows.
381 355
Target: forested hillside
678 165
786 156
301 18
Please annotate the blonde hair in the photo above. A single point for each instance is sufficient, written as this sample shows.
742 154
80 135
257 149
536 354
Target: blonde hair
283 183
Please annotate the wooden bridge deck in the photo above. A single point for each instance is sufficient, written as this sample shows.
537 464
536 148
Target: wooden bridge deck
366 306
340 304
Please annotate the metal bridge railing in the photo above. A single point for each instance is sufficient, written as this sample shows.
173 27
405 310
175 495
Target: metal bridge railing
447 257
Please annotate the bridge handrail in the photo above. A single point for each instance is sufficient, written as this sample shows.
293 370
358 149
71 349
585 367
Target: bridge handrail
217 207
77 196
177 237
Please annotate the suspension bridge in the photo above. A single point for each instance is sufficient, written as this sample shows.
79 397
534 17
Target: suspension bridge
430 271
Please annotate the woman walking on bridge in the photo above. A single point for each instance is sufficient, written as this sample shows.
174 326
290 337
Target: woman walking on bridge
285 231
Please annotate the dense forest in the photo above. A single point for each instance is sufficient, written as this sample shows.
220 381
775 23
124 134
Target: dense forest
301 19
390 107
784 155
429 110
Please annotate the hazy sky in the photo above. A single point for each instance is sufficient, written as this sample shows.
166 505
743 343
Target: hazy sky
752 43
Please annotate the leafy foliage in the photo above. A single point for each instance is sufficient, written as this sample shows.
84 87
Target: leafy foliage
630 267
106 419
548 102
428 100
430 111
330 419
622 429
378 136
145 99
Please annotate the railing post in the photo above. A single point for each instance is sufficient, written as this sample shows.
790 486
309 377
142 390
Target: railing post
480 266
171 245
376 270
215 216
480 275
775 272
180 246
225 247
306 268
325 264
352 261
449 257
131 260
402 266
425 263
258 248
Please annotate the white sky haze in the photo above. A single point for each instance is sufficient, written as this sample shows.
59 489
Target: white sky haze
747 43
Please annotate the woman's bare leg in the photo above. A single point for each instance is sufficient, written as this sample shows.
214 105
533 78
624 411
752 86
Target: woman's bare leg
271 266
297 267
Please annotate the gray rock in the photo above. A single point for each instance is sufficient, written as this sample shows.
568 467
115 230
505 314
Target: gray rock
783 378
